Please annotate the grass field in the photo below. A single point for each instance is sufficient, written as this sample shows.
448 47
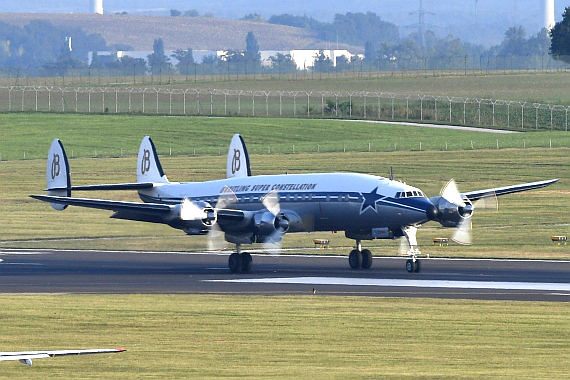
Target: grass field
520 229
29 135
533 87
206 337
530 87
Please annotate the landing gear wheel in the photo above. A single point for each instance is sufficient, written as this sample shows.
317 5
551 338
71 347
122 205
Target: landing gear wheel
235 262
355 259
366 259
413 266
247 262
418 267
410 266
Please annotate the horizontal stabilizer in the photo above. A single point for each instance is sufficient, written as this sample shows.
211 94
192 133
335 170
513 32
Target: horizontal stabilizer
115 186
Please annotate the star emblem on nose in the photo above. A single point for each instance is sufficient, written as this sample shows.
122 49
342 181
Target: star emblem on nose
370 200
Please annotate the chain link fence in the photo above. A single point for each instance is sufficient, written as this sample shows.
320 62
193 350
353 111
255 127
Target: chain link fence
316 104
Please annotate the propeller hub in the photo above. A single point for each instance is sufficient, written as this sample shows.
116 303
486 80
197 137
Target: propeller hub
432 212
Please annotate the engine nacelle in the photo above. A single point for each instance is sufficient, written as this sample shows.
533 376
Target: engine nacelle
196 218
449 214
269 226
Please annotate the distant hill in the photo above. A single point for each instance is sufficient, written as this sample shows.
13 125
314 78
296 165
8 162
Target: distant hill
200 33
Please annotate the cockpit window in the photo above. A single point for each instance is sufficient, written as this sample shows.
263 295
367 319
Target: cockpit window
410 194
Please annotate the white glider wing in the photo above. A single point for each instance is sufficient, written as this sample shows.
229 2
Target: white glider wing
25 357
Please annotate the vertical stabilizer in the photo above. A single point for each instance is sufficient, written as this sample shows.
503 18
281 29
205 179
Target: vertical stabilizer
58 179
149 168
238 159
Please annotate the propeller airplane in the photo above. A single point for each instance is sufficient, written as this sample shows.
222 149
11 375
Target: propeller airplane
246 209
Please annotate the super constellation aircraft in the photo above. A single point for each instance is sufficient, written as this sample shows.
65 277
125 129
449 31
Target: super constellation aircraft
250 209
25 357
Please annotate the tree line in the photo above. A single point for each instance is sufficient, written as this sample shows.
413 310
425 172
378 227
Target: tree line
43 49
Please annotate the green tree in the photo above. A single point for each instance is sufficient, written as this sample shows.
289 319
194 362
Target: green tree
175 12
283 64
252 47
370 52
192 13
322 63
158 61
186 62
560 44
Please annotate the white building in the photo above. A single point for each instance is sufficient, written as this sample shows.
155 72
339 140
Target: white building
305 59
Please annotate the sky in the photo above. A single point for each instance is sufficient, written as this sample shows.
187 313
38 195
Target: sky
469 19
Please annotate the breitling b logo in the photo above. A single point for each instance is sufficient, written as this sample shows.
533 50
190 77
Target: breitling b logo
55 166
236 161
145 162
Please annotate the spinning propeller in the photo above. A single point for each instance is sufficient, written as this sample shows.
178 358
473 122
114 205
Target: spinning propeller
215 237
273 241
462 234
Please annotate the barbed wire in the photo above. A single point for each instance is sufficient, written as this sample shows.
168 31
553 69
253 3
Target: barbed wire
296 103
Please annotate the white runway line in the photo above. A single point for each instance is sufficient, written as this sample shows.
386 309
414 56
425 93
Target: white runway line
564 287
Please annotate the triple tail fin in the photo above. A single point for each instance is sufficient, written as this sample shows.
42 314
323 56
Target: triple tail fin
237 165
149 167
58 178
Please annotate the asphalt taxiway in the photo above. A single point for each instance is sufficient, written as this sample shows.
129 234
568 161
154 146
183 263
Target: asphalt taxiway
50 271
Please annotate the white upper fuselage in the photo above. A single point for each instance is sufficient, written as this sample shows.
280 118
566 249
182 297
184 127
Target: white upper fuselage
331 201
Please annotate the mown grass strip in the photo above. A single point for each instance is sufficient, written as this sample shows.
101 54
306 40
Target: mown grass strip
192 336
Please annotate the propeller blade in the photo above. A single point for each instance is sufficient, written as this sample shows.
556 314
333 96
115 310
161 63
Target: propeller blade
271 202
451 194
215 237
226 198
404 247
273 243
487 202
462 234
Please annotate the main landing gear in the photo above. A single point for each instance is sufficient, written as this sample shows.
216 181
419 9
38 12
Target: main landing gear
360 258
240 261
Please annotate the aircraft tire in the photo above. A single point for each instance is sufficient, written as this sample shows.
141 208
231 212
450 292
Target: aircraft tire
366 259
355 259
417 266
235 262
410 265
247 262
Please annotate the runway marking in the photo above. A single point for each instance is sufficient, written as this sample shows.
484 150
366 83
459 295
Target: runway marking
563 287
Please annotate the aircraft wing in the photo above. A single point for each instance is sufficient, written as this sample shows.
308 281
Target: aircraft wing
26 357
143 212
478 194
118 206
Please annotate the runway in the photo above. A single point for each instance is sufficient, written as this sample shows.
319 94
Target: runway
110 272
